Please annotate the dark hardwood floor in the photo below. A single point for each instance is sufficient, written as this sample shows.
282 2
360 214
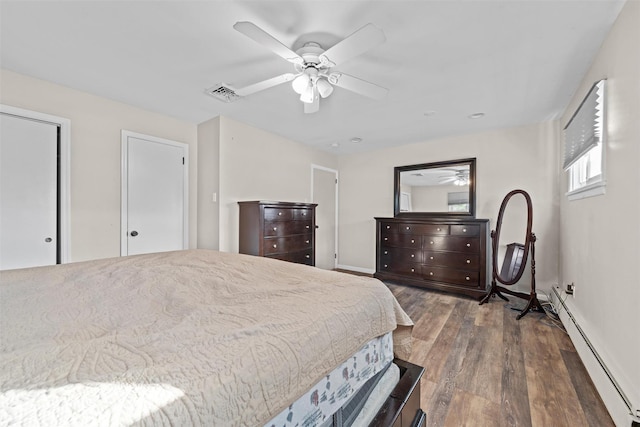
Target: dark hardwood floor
485 368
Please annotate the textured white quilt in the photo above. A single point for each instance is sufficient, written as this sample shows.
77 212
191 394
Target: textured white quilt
181 338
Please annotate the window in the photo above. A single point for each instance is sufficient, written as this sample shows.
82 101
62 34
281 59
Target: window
584 147
458 201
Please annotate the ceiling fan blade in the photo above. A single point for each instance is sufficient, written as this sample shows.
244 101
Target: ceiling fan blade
313 107
257 34
357 85
265 84
359 42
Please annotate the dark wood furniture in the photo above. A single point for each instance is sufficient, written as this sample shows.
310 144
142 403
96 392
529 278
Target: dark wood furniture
402 407
515 273
448 254
281 230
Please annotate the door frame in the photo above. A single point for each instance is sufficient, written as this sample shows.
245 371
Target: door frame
124 211
64 172
335 172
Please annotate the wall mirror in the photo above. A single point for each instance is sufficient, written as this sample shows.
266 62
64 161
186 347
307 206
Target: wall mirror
436 189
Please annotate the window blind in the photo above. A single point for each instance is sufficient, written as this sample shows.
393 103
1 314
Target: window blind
584 130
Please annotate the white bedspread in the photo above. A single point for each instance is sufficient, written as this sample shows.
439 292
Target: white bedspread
183 338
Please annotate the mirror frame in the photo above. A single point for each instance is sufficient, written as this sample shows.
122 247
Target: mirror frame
472 188
495 235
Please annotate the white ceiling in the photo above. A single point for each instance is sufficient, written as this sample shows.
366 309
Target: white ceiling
517 61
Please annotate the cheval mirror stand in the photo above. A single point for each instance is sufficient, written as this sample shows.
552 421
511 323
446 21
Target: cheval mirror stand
515 260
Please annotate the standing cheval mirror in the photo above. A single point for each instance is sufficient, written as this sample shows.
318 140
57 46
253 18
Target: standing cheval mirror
516 255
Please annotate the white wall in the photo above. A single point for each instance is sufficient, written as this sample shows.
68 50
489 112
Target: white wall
96 124
209 184
600 235
258 165
523 157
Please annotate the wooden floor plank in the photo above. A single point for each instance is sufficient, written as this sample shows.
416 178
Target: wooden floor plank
467 409
590 400
514 398
552 397
484 367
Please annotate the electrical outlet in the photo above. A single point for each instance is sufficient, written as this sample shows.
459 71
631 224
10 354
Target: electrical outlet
570 289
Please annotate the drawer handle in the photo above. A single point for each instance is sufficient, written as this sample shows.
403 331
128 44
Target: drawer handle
386 252
385 266
408 228
308 256
304 214
468 245
307 226
431 242
431 273
413 241
438 229
430 257
275 246
413 270
468 261
464 230
413 256
467 278
275 228
306 241
279 213
388 227
386 238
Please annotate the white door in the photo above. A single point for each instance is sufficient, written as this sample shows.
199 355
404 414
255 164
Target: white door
28 192
154 195
324 193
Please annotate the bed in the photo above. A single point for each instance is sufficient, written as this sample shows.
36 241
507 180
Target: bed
194 337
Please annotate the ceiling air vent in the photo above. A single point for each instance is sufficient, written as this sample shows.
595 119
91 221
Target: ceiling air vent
223 92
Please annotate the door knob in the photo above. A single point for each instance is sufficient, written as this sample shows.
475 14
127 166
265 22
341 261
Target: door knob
134 233
48 240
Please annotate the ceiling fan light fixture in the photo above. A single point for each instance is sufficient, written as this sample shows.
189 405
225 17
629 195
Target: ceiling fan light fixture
308 95
301 83
324 88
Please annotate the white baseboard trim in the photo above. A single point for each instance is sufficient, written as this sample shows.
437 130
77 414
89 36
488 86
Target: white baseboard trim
620 408
356 269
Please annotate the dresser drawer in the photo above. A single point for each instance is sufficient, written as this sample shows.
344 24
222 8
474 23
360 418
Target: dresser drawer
465 230
281 228
452 259
302 214
300 257
274 245
403 255
387 228
278 214
430 229
404 268
401 240
451 275
450 243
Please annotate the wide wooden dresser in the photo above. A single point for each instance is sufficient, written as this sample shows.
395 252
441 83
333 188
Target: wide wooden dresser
443 254
281 230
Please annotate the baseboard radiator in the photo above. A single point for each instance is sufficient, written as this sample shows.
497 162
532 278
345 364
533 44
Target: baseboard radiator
614 397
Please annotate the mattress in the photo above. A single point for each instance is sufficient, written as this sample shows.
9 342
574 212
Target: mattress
338 387
179 338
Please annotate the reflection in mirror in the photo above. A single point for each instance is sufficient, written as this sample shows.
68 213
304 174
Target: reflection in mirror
513 230
436 188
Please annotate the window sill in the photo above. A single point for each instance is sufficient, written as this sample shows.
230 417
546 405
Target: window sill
591 190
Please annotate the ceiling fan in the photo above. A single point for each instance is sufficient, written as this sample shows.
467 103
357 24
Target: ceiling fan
313 77
458 177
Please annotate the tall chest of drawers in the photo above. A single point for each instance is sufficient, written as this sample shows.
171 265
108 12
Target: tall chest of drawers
443 254
280 230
